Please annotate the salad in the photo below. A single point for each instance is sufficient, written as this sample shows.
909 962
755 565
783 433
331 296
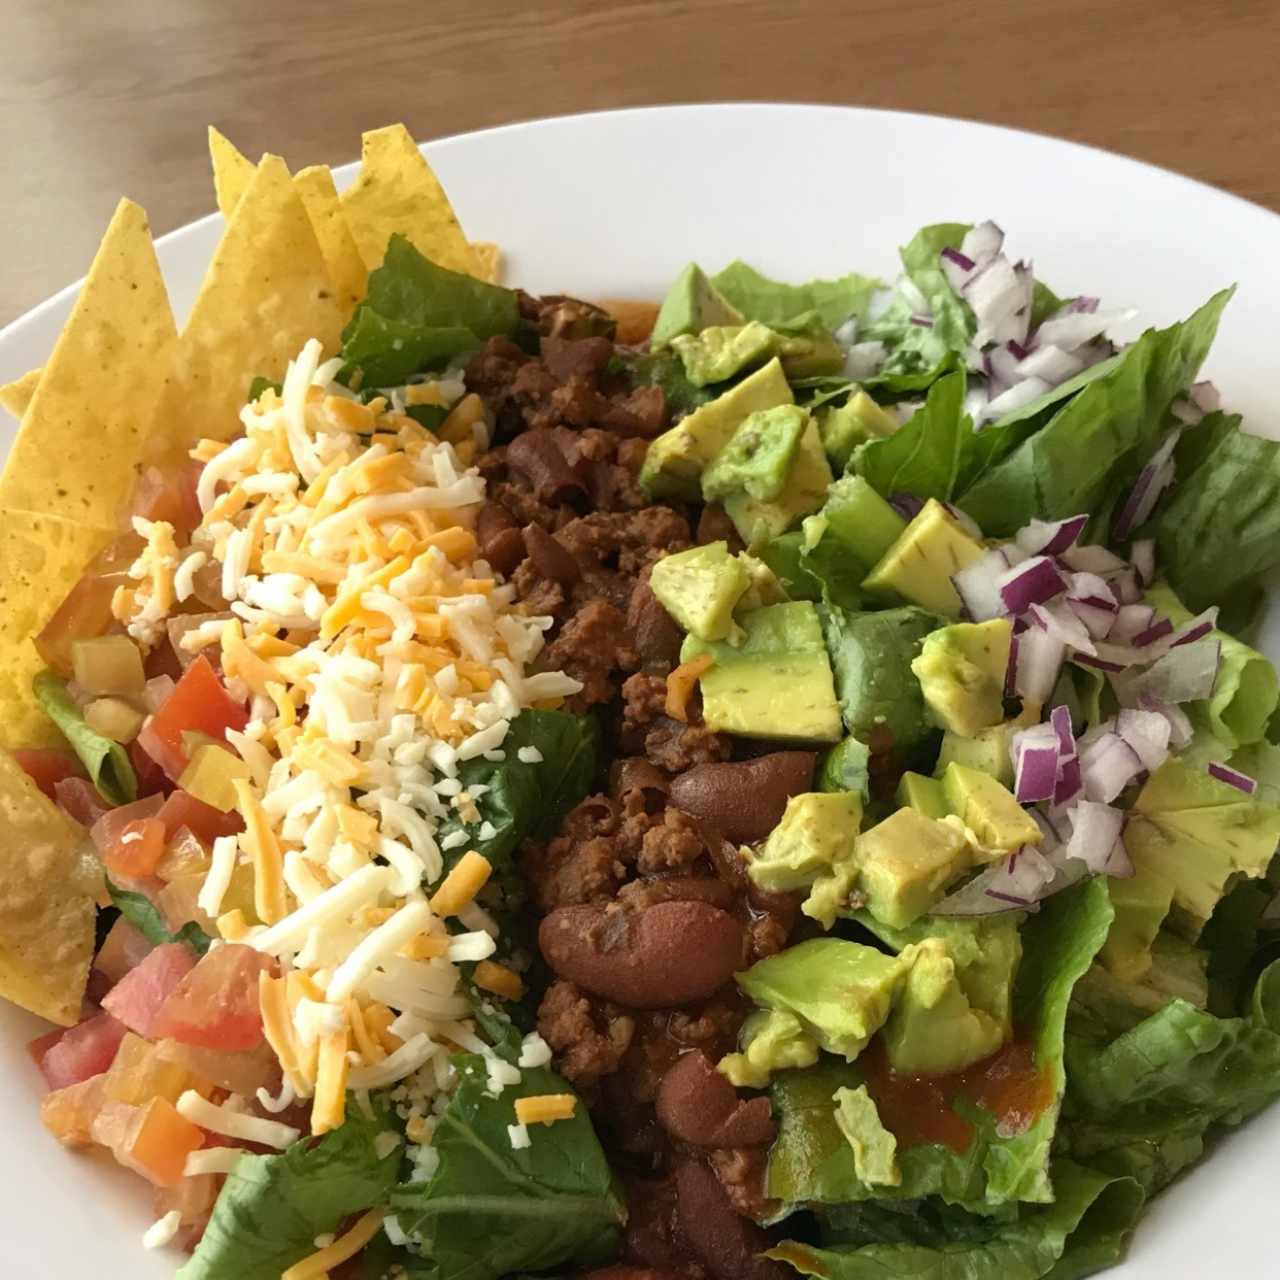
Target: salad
775 782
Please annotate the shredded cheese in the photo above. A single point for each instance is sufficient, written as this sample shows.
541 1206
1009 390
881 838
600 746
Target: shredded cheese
462 884
545 1108
318 1265
235 1124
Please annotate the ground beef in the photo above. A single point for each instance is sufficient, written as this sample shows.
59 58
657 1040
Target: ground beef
593 646
667 743
673 844
742 1174
588 1037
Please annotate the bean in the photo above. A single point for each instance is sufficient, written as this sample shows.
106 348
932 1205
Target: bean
728 1245
744 800
536 456
624 1271
667 955
654 632
714 525
648 891
696 1104
549 557
499 537
637 774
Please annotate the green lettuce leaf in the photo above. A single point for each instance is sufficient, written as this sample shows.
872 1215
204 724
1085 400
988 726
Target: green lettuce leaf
271 1208
953 321
790 307
388 351
1220 528
145 916
1086 1227
490 1210
1097 438
107 762
663 368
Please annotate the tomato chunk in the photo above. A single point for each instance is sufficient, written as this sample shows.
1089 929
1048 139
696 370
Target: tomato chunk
199 703
170 495
157 1143
69 1113
78 798
47 766
123 948
216 1004
85 1050
139 996
151 777
203 821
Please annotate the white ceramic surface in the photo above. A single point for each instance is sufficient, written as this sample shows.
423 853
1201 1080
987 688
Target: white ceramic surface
612 205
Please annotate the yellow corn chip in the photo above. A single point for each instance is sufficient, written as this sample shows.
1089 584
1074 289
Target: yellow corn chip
397 191
84 433
47 886
16 395
488 261
41 558
346 266
232 172
266 293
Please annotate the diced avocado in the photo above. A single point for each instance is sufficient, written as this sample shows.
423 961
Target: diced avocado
989 810
764 588
674 462
758 520
924 795
810 355
782 555
772 1040
847 537
817 829
871 655
692 304
919 565
776 684
934 1030
875 1149
961 669
844 768
758 457
840 991
855 422
988 751
717 353
700 587
905 864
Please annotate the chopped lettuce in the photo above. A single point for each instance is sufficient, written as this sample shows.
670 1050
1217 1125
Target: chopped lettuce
953 322
107 762
794 307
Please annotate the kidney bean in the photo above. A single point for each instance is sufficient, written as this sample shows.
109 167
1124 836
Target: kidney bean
667 955
728 1245
648 891
714 525
654 632
653 1233
637 774
696 1104
499 537
536 456
549 557
624 1271
744 800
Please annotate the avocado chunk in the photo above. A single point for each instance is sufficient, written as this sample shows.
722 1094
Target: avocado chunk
844 768
999 823
934 1029
989 751
692 304
871 655
776 684
905 864
764 587
919 565
772 1040
757 520
757 460
674 462
962 669
717 353
840 991
782 555
700 587
875 1149
924 795
851 533
846 426
809 355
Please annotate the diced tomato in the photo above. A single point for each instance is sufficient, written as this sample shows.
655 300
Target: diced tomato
170 495
140 847
141 994
242 1071
216 1004
151 777
69 1113
106 833
158 1142
205 822
87 1049
123 948
199 703
78 798
47 766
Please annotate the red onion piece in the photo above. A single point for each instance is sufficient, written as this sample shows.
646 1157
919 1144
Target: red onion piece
1059 619
1039 661
976 586
1180 728
1060 719
1050 537
1093 559
1070 785
1017 397
1095 832
982 242
1147 732
1107 765
1233 777
1199 627
1185 674
1142 553
1034 581
1152 481
1156 630
1131 621
1051 363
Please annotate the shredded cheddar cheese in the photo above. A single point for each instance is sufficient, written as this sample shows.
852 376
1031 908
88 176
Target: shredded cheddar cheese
344 1248
545 1108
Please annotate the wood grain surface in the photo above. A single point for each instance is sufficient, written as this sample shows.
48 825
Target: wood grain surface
104 97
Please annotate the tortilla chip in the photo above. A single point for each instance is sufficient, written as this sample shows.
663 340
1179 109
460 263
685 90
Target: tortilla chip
46 901
232 172
346 266
397 191
488 260
83 436
266 293
16 395
41 558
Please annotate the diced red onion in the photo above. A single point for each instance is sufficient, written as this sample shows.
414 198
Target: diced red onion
1093 559
922 320
1142 553
1097 614
1206 396
1152 481
1083 304
1034 581
1125 586
1050 537
976 586
863 360
1070 784
1187 412
1185 674
1107 764
1147 732
1095 832
955 256
1060 719
1233 777
995 294
1035 762
1014 883
1068 328
1131 621
1050 363
1002 367
1180 728
1017 397
910 291
1060 620
1156 630
982 242
976 400
1199 627
907 505
1039 657
1093 660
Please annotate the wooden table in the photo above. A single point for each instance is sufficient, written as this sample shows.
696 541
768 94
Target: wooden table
107 97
